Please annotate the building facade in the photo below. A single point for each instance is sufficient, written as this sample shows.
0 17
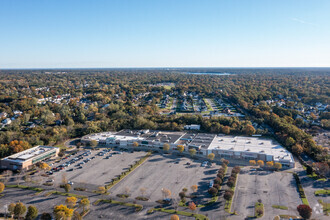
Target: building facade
26 159
223 146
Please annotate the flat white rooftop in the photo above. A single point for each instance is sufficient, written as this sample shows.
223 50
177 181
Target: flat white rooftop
251 145
30 153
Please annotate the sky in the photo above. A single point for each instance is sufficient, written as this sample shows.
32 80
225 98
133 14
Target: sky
164 33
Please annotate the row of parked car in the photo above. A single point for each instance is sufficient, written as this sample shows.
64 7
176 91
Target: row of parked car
72 161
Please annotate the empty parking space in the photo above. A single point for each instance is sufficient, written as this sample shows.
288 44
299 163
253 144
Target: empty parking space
272 188
166 171
99 170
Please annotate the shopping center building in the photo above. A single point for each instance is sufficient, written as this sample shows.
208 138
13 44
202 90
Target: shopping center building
223 146
26 159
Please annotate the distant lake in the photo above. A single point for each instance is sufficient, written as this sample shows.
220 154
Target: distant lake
218 74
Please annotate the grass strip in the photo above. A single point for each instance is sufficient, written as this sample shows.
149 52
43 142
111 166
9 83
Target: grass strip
301 190
125 173
280 207
322 192
67 194
137 207
26 187
172 211
229 202
326 207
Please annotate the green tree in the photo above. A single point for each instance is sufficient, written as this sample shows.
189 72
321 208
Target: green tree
32 213
46 216
297 149
67 187
290 141
11 209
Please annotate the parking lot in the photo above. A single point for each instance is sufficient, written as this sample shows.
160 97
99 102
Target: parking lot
272 188
95 168
166 171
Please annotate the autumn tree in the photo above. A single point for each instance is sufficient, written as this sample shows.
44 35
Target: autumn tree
62 212
212 191
135 144
166 147
180 148
249 130
260 163
228 195
211 156
225 129
224 161
2 187
166 193
102 190
93 144
19 209
270 164
76 216
192 206
192 152
71 201
252 162
297 149
304 211
175 217
143 191
278 166
84 203
11 209
194 188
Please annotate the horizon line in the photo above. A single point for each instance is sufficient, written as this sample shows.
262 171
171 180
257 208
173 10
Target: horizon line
62 68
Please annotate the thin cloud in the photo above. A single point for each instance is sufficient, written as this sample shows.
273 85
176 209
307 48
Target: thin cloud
302 21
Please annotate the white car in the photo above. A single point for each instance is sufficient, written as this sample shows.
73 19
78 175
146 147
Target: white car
69 182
